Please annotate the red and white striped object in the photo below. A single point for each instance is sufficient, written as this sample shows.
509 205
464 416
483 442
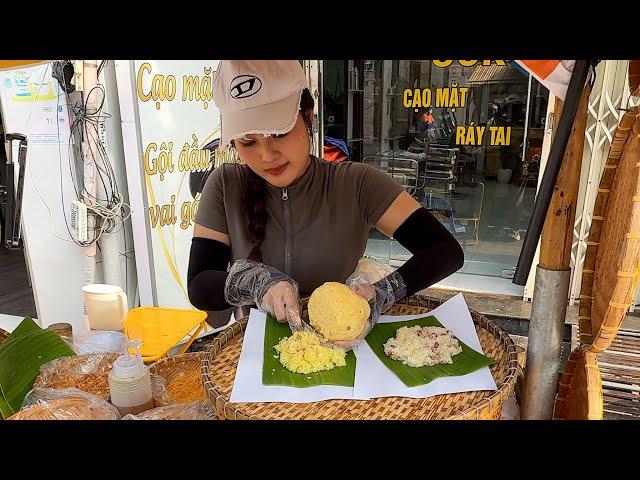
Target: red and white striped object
553 74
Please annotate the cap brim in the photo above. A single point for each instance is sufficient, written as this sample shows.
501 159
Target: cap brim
273 119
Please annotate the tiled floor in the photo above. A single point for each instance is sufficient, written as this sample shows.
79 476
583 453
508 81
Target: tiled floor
16 296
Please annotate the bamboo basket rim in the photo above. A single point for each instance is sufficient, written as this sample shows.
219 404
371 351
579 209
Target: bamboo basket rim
617 294
634 77
168 365
580 379
489 406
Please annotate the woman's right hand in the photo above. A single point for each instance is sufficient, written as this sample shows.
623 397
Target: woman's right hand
264 286
281 301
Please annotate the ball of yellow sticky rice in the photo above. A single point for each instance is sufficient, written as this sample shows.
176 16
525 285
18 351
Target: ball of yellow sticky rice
336 312
303 352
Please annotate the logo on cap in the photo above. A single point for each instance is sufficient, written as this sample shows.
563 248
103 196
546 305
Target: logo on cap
245 86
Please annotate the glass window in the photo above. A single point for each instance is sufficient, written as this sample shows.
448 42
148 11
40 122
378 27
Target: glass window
463 137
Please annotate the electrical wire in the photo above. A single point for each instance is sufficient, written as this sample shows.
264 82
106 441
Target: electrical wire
84 131
47 207
103 64
109 212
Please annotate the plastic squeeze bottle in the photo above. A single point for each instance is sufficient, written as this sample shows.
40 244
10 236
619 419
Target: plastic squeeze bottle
130 382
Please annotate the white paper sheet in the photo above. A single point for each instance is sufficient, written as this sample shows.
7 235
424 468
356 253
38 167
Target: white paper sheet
374 379
248 386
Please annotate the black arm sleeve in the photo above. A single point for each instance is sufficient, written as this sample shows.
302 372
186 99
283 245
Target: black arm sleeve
208 262
436 253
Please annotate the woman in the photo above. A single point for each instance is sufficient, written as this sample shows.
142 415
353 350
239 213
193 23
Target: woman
288 221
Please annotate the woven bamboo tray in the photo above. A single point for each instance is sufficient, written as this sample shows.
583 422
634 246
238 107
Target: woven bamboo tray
171 366
221 360
634 77
580 389
610 272
66 373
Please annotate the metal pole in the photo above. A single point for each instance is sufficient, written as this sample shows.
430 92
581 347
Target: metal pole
89 153
544 344
548 183
110 242
552 279
526 121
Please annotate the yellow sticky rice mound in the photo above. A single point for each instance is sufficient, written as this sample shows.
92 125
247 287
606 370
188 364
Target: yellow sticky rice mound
336 312
302 352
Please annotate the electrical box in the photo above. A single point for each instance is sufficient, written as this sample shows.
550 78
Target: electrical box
79 220
78 75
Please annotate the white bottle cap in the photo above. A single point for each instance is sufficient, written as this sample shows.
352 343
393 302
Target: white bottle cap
129 366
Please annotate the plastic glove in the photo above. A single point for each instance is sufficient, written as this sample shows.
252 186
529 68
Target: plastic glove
347 345
381 295
266 287
282 302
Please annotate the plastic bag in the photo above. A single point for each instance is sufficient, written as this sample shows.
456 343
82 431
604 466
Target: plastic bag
248 283
371 271
99 341
64 404
200 410
380 284
159 389
88 373
180 387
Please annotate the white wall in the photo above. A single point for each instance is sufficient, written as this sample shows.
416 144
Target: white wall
56 265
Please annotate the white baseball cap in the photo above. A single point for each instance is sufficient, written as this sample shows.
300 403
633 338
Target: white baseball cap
257 96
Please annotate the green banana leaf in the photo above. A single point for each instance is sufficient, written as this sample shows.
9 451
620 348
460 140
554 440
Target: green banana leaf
467 361
273 373
26 326
21 356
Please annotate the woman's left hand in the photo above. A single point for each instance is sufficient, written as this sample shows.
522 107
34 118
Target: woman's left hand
368 292
364 289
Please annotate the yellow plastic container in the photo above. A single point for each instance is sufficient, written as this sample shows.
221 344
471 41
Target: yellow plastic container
160 329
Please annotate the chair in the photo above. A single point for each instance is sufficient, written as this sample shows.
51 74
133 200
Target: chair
443 210
474 216
405 171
